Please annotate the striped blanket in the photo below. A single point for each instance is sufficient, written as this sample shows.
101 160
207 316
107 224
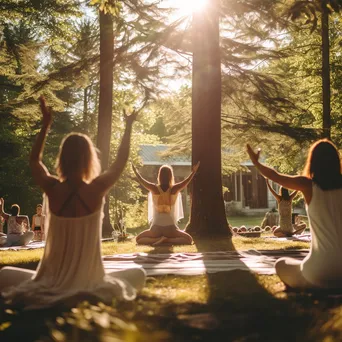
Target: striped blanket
257 261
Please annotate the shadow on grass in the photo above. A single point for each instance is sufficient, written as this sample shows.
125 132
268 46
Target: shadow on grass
244 310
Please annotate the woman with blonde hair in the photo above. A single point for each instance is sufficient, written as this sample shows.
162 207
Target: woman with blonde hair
164 208
71 266
321 185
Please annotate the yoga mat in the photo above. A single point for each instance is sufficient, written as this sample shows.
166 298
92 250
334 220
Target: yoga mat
260 262
31 245
301 237
34 245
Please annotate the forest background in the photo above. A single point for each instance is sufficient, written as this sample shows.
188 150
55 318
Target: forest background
271 60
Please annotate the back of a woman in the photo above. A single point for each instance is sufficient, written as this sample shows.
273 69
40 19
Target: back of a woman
164 209
322 266
321 185
72 264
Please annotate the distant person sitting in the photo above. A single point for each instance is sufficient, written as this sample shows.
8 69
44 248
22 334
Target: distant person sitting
164 204
17 226
38 223
284 200
271 219
298 225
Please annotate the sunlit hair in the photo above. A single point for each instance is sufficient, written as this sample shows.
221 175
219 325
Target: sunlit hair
15 210
323 165
77 156
284 193
39 206
165 176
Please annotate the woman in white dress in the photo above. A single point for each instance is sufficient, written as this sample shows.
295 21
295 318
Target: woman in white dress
18 233
71 266
164 209
321 185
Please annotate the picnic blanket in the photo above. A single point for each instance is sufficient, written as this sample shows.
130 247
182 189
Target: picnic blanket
261 262
301 237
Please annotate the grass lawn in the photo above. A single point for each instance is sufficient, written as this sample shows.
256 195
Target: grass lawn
229 306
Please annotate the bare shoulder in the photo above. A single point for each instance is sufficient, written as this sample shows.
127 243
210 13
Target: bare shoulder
154 189
51 183
304 183
174 190
305 186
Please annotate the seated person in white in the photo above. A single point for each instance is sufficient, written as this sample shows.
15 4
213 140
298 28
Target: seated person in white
71 267
38 223
17 226
321 185
164 209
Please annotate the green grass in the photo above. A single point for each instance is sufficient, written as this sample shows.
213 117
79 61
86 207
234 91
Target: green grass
30 258
248 221
226 306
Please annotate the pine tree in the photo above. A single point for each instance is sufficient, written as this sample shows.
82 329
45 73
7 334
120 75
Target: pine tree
207 207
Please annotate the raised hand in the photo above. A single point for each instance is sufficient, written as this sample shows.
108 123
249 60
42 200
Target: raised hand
252 155
195 168
46 111
130 118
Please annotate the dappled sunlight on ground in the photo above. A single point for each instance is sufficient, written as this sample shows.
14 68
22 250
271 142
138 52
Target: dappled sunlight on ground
237 305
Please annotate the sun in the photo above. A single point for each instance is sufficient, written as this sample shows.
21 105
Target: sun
187 7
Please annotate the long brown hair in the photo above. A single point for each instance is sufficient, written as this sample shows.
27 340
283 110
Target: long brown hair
323 165
165 177
284 193
77 155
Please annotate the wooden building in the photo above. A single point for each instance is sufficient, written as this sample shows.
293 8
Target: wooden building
248 190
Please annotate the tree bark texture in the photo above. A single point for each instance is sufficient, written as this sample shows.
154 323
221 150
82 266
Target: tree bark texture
104 128
326 70
208 217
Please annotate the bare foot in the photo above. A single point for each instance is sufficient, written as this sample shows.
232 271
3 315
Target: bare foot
160 241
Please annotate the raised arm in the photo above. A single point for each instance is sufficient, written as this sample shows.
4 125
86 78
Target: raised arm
299 183
33 222
2 211
272 190
293 195
40 172
107 179
181 185
146 184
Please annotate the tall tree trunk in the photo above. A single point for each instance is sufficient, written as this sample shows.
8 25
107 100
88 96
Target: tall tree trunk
105 102
326 70
208 215
85 109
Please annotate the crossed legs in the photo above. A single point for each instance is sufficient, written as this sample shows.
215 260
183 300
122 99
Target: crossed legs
158 235
298 229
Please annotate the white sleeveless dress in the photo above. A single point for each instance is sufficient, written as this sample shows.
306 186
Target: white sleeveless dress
322 266
165 209
71 266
